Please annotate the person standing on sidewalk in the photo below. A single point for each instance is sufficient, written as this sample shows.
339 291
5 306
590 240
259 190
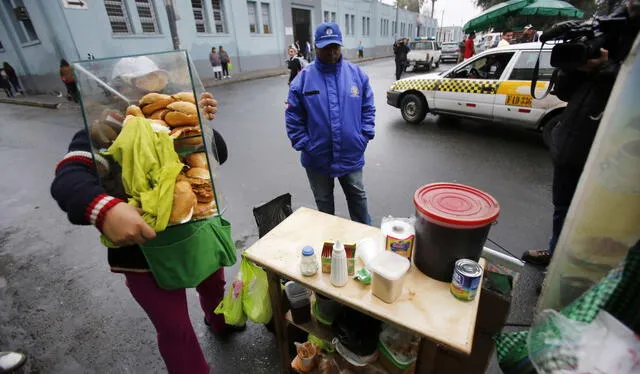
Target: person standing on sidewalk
216 64
293 63
330 119
225 60
69 80
360 50
469 47
13 77
400 50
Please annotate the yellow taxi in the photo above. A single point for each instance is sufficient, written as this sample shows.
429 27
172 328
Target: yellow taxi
494 85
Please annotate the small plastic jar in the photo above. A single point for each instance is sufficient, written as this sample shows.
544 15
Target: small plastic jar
308 262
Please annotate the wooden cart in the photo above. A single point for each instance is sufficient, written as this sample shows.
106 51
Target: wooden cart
426 306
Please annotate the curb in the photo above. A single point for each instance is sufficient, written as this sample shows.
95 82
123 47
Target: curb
269 74
30 103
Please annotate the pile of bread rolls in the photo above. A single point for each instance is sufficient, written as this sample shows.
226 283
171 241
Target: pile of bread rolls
193 196
177 113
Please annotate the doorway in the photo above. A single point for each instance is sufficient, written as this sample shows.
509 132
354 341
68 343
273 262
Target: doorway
301 26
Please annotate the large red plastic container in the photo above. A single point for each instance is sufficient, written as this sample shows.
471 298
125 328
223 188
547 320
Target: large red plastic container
452 222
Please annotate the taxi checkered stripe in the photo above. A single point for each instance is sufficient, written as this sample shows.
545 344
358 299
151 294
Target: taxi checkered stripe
469 86
417 84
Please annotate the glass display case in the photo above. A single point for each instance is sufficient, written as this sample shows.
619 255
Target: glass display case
163 90
603 221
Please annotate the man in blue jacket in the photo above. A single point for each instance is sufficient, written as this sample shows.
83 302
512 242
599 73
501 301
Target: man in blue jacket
330 119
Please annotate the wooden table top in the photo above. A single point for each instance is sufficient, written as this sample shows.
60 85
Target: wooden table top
426 306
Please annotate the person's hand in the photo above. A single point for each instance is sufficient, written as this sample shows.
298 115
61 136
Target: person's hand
208 105
595 63
124 226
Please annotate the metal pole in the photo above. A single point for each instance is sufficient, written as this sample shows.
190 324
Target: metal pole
441 26
173 28
395 28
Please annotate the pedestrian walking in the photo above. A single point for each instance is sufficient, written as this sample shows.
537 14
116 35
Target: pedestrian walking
216 64
400 50
507 36
225 60
293 63
330 118
360 49
469 47
78 191
13 78
69 80
5 84
309 51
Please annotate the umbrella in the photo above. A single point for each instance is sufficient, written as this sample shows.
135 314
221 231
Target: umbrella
495 13
551 8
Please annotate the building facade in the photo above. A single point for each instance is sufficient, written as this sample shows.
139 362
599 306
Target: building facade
450 34
36 34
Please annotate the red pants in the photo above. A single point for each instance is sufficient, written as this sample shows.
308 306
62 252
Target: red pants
168 312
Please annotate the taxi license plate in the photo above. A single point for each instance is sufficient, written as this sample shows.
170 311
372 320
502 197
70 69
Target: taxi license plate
519 100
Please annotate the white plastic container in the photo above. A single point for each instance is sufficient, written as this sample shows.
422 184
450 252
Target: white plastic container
388 276
339 272
367 249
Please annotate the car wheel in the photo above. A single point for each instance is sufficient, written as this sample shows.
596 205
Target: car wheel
547 129
413 108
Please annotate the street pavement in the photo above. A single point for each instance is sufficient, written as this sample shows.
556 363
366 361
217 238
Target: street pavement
60 304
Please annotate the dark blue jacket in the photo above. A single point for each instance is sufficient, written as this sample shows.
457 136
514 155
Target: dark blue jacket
330 117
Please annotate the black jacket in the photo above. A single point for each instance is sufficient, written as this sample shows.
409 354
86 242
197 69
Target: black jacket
587 95
294 65
400 50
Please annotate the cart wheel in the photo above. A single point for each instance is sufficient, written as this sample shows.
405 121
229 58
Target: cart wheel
413 108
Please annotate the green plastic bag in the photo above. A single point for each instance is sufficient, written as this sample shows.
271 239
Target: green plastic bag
231 305
255 297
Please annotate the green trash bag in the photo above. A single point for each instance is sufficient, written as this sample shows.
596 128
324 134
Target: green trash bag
255 297
231 304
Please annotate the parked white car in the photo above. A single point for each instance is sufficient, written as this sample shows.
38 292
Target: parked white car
423 53
493 85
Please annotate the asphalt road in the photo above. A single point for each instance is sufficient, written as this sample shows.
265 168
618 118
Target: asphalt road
61 305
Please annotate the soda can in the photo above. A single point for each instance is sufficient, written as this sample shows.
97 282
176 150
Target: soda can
466 279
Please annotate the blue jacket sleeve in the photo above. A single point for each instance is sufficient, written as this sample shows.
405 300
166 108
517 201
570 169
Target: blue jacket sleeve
296 120
368 108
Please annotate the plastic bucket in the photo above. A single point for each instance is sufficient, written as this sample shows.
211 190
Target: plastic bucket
452 222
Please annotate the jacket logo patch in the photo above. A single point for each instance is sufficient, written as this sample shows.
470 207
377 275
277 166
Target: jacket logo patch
354 91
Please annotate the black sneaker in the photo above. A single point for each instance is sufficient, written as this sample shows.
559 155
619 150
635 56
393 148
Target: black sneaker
537 257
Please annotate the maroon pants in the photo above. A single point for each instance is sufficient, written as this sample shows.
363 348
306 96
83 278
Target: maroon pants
168 312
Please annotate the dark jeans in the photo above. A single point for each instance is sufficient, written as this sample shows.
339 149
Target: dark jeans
225 69
399 69
360 53
353 187
565 181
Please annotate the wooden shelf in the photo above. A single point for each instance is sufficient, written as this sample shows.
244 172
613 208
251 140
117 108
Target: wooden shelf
313 327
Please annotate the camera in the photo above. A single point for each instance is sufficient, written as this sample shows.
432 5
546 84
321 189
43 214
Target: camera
582 41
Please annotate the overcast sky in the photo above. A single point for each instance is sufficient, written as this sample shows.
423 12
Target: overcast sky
456 12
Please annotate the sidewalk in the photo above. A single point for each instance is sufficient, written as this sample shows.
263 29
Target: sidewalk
53 102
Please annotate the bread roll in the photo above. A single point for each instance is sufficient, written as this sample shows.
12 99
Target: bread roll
184 203
197 160
174 119
184 107
159 114
204 210
134 110
160 104
153 97
185 96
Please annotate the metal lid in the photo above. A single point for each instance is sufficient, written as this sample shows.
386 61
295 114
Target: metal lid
453 204
307 251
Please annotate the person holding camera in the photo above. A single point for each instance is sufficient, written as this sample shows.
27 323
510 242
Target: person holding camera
400 50
586 89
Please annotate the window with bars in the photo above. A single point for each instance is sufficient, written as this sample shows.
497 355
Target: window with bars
346 24
218 16
368 26
21 21
147 16
353 24
326 16
118 16
364 25
199 15
266 18
333 17
252 11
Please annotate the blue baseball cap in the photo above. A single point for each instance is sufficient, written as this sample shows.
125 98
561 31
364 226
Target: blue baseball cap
328 33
